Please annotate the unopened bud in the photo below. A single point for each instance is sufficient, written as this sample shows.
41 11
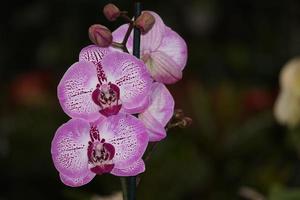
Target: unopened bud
145 22
111 12
100 35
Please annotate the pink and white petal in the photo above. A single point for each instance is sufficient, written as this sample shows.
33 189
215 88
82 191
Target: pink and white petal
161 104
163 69
93 53
69 148
128 136
152 39
77 180
97 121
132 170
131 76
175 47
155 130
75 91
118 36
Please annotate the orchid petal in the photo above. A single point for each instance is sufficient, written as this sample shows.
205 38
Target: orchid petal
69 148
155 130
77 180
159 112
93 53
131 76
175 47
128 136
132 170
163 69
75 91
152 39
149 41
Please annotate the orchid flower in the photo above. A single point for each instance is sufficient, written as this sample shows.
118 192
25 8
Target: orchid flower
104 81
158 113
80 150
162 49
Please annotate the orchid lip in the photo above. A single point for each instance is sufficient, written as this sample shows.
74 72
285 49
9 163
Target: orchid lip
100 153
107 96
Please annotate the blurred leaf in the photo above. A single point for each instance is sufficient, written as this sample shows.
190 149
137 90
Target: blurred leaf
280 193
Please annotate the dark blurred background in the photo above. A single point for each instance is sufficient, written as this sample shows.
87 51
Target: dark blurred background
234 149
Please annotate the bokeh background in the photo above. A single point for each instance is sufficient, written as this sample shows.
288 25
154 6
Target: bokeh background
234 149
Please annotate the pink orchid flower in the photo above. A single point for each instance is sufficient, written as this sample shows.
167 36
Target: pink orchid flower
80 150
158 113
162 49
104 81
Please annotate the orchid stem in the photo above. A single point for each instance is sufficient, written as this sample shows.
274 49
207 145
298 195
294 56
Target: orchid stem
124 188
124 42
137 32
131 180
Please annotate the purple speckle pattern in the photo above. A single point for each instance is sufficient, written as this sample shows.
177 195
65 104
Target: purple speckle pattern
131 76
81 149
131 170
77 181
75 91
128 136
93 53
69 147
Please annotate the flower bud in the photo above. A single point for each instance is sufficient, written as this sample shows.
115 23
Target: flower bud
145 22
111 12
100 35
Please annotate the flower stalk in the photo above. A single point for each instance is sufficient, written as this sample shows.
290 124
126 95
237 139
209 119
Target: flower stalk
129 188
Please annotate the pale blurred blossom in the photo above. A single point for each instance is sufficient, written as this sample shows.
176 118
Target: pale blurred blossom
287 105
114 196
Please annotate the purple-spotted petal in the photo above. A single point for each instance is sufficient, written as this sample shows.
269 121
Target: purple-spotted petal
132 170
175 47
159 112
128 136
77 181
69 148
163 68
75 91
131 76
93 53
